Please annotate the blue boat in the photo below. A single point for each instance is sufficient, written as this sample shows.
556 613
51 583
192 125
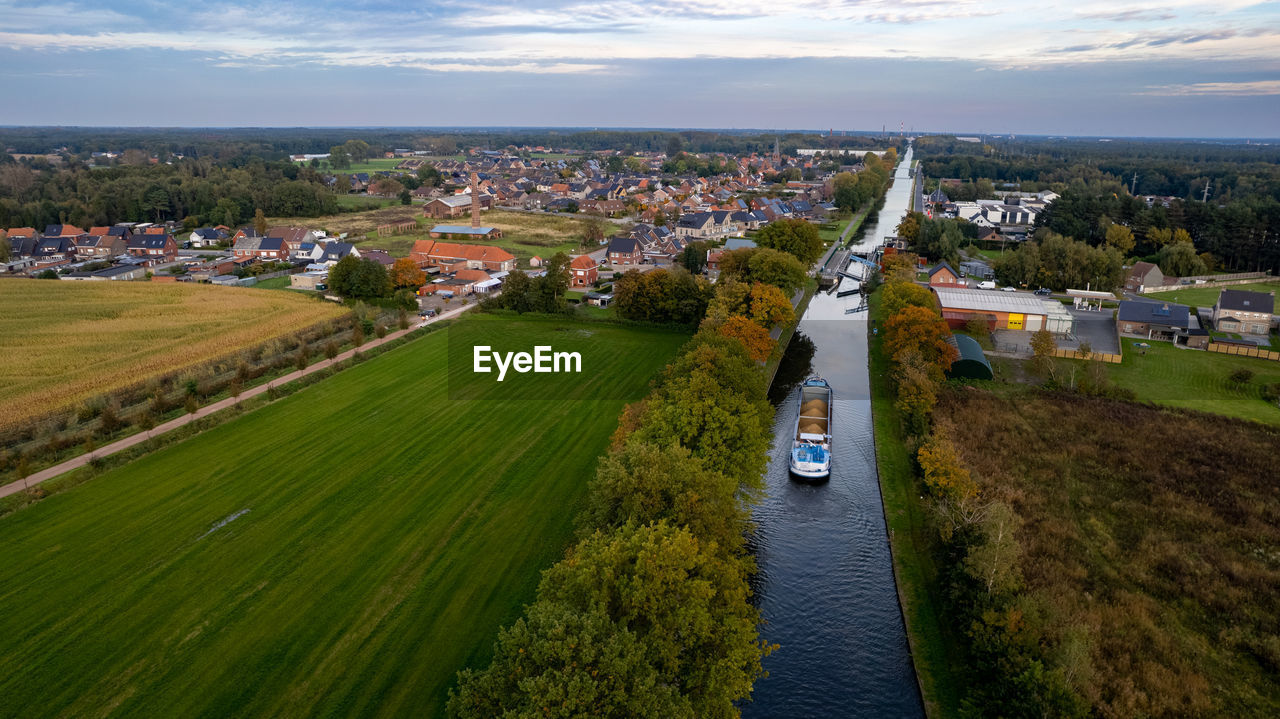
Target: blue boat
811 450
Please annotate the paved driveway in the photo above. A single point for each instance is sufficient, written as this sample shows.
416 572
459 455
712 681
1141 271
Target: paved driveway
1096 328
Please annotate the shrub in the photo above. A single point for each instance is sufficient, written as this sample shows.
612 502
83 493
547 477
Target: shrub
1240 377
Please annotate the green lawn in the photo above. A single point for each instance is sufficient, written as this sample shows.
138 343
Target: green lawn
275 283
342 552
935 651
1208 296
1196 380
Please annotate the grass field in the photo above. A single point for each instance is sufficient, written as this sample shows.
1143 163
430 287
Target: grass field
525 234
1196 380
1208 296
64 342
342 552
1146 549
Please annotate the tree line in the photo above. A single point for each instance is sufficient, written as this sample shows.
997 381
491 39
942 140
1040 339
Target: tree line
1007 671
198 192
650 613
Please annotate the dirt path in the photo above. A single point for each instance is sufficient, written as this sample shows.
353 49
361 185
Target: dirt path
130 441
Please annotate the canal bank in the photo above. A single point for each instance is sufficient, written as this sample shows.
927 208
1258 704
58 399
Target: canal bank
826 586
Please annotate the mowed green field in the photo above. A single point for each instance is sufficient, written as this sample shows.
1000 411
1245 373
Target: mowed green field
1196 379
1208 296
343 552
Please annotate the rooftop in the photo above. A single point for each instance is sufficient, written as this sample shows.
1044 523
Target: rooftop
990 301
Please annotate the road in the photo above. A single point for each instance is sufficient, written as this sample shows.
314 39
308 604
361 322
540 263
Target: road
136 439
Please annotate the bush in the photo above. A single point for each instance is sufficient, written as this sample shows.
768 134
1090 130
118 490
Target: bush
1240 377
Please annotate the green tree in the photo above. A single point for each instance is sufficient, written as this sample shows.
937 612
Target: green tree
675 638
1180 260
775 268
644 483
796 237
6 250
694 257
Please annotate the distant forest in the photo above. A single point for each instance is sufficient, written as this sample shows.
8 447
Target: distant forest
279 143
1239 225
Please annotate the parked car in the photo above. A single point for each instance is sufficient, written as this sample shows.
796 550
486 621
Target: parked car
1044 292
1009 289
987 285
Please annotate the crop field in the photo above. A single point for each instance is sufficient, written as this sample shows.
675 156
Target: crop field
64 342
524 234
343 552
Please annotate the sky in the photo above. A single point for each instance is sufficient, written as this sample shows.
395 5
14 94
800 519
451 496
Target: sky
1177 68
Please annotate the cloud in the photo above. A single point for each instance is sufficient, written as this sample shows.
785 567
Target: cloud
1243 88
590 36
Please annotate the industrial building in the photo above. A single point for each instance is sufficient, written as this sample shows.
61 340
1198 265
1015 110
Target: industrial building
1003 310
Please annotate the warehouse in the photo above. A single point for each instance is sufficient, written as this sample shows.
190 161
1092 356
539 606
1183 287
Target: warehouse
971 362
1002 310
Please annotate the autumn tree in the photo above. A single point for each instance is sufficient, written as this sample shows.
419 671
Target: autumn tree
386 187
592 231
406 273
1159 236
769 306
260 222
900 267
917 393
754 337
909 228
1042 347
898 295
921 331
1121 238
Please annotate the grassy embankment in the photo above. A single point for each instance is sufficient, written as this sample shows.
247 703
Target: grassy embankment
935 647
341 552
1208 296
64 342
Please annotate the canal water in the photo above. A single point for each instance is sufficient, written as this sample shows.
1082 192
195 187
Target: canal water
825 585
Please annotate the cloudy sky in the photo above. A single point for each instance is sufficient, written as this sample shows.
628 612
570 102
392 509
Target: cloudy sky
1086 67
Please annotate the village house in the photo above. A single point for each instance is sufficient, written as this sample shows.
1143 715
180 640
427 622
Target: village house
1143 275
942 275
155 247
262 248
583 271
1245 312
99 247
1153 320
207 237
624 252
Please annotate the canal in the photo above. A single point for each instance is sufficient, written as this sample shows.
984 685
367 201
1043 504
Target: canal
825 585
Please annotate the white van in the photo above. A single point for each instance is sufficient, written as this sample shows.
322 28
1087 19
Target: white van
987 285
